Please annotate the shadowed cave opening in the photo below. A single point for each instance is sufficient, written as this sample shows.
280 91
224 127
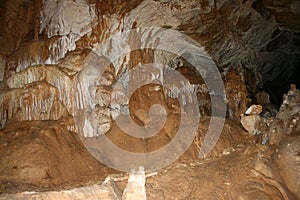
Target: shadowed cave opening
283 68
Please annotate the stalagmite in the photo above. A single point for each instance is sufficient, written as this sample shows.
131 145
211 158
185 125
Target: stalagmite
88 129
135 188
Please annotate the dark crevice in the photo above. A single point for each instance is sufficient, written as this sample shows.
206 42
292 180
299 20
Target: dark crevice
281 64
260 7
281 84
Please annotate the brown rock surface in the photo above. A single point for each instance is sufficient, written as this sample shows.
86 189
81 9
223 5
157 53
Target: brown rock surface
106 191
17 22
228 177
287 119
287 13
287 159
236 95
44 155
46 45
29 103
233 176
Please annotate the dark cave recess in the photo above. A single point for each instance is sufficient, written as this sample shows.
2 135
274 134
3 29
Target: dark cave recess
281 64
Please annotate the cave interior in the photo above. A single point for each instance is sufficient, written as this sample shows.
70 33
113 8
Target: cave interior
93 94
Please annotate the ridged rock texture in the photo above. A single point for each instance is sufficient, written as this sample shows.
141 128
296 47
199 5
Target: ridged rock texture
257 36
59 58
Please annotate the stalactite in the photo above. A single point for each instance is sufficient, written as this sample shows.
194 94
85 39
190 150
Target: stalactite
65 23
59 47
35 101
71 128
51 75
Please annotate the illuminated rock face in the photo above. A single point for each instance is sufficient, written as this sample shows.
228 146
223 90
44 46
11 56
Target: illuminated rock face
237 99
65 22
50 41
135 188
60 59
36 101
287 119
288 161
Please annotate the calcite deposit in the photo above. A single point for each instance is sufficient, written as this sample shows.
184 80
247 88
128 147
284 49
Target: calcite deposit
73 26
29 104
89 69
135 188
287 119
237 99
251 119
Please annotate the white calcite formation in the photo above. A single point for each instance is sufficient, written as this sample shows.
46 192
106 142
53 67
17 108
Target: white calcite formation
49 74
254 110
66 22
167 45
135 188
92 101
37 93
187 95
59 47
29 103
69 21
33 53
96 123
107 101
251 119
64 17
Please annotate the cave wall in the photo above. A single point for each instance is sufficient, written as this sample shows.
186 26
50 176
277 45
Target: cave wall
45 42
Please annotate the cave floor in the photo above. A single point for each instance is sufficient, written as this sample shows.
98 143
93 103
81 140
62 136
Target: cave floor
231 176
241 171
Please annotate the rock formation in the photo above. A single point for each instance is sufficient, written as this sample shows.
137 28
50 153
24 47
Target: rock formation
66 66
241 38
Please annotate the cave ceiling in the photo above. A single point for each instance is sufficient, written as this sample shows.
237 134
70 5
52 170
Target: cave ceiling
260 36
